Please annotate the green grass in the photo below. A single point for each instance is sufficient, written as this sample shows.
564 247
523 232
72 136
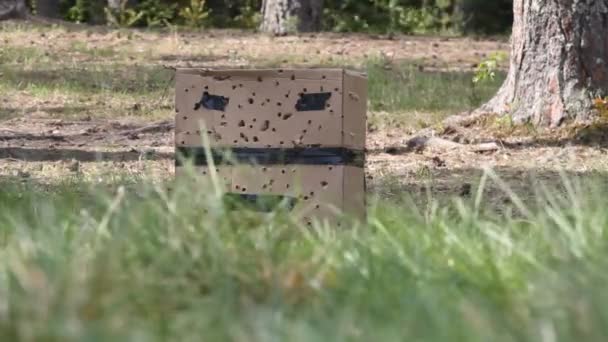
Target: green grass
405 88
82 263
403 94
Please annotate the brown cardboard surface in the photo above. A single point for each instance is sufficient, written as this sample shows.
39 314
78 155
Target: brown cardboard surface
355 110
322 192
354 191
261 111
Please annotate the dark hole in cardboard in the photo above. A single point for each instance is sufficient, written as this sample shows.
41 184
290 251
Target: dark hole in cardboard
280 114
251 101
293 77
287 186
255 139
223 123
242 123
287 116
260 79
212 102
186 90
260 203
244 137
312 101
324 184
265 126
250 126
254 120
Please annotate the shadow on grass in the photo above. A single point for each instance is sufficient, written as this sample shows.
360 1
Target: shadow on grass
9 113
125 79
446 185
49 154
593 135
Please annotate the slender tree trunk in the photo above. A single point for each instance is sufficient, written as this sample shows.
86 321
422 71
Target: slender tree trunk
13 9
281 17
559 61
48 9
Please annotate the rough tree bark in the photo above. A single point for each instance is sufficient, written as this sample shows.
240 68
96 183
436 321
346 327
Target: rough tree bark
559 61
281 17
13 9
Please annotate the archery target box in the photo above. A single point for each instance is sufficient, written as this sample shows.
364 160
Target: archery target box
296 134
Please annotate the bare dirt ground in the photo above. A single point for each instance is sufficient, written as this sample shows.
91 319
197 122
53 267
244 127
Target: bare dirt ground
43 145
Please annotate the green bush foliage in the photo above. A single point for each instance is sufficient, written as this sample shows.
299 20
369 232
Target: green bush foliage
372 16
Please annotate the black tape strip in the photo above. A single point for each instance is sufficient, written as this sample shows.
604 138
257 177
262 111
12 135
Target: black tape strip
273 156
312 102
263 203
212 102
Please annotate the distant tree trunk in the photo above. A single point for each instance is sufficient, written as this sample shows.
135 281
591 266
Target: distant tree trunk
13 9
281 17
48 8
559 61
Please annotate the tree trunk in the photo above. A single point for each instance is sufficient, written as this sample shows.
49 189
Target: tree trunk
281 17
13 9
559 61
48 9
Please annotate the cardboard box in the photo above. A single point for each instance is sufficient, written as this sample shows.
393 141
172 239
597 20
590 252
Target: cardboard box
298 134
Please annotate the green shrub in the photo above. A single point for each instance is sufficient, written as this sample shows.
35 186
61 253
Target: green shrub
195 14
157 13
372 16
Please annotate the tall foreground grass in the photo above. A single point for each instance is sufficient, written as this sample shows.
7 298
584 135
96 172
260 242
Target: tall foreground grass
146 264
